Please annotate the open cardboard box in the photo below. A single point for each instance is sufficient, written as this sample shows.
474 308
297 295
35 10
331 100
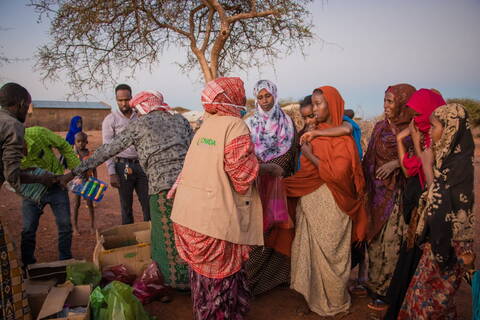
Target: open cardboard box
66 294
50 270
125 244
37 291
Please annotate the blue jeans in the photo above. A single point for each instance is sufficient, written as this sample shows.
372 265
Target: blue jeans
58 200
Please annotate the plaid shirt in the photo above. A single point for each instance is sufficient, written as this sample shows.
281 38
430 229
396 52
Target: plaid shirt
215 258
40 144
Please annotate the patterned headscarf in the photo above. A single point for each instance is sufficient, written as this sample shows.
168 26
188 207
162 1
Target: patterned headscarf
272 131
401 94
224 96
424 102
148 101
448 204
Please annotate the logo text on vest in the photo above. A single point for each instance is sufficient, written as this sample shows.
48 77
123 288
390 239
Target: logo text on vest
207 141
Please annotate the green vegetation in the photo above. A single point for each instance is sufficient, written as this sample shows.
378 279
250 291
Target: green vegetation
473 108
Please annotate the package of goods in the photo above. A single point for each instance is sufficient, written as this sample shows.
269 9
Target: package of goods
274 200
91 189
34 191
117 273
116 302
150 284
128 245
66 302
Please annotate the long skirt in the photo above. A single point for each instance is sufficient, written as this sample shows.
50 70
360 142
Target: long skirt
266 269
14 304
218 299
383 252
404 271
164 252
431 291
321 253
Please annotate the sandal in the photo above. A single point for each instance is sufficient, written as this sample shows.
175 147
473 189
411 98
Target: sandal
378 309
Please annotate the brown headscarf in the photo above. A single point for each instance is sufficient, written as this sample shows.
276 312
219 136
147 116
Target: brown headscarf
339 168
402 115
382 195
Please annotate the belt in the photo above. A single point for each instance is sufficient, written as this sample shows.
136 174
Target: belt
126 160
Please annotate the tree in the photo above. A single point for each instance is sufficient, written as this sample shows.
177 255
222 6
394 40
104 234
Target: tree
92 40
473 109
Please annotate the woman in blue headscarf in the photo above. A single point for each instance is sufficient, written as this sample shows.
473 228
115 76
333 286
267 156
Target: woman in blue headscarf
75 127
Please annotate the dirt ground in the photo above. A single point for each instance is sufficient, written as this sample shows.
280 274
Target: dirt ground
280 304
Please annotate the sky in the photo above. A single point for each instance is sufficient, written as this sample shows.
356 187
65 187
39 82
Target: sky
361 48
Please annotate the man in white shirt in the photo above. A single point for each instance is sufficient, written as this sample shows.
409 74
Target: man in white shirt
125 171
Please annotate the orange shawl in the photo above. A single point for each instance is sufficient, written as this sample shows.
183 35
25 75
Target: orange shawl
339 168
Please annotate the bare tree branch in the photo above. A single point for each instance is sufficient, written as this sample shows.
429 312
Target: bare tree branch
93 41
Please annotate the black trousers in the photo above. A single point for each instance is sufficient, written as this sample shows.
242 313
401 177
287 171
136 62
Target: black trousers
137 181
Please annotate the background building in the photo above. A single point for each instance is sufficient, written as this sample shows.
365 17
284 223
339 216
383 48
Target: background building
56 115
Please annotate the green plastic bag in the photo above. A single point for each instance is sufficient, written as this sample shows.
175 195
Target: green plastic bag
83 273
116 302
98 304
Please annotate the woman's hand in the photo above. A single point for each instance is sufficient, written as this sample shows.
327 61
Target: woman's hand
307 137
403 134
384 171
414 132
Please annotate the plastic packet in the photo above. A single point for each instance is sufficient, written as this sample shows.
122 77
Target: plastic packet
150 284
116 302
117 273
274 200
92 189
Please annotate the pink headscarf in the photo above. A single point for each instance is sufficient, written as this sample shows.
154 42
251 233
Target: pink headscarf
148 101
424 102
224 96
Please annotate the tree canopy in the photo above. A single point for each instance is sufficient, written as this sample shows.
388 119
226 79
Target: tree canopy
93 41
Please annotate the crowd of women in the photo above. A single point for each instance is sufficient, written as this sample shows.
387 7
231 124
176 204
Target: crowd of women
246 206
404 212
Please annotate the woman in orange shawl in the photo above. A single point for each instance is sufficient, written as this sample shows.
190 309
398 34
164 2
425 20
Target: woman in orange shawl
330 213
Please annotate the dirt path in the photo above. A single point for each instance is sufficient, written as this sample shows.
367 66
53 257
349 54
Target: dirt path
278 304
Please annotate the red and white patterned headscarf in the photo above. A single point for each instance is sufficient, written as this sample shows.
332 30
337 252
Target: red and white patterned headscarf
148 101
224 96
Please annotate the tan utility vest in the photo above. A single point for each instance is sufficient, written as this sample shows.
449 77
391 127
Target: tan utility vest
205 200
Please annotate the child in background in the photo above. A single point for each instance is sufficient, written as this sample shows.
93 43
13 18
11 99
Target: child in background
80 147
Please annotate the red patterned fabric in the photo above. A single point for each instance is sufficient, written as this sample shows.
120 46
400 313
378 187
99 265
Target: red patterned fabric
210 257
224 96
148 101
431 291
241 164
215 258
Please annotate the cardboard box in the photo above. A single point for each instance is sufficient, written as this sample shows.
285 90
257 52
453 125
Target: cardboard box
37 292
50 270
125 244
66 294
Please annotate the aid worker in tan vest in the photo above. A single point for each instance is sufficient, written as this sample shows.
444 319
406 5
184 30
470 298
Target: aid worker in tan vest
217 212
